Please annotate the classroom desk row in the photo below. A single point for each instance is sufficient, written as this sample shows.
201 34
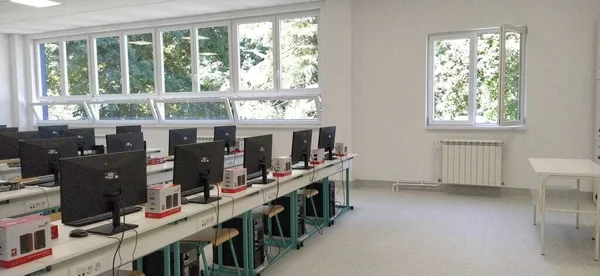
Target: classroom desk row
18 202
154 234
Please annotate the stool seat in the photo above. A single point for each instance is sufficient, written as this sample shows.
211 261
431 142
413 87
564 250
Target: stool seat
214 236
55 217
273 210
124 273
308 193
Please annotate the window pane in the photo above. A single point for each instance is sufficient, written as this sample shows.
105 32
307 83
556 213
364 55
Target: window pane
451 79
213 58
196 111
177 58
488 72
299 53
109 65
125 111
513 76
77 67
50 69
256 56
303 109
141 63
66 112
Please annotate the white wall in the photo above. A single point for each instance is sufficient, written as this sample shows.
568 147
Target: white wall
388 82
5 76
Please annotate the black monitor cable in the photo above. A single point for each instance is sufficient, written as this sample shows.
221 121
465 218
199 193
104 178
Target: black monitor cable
217 211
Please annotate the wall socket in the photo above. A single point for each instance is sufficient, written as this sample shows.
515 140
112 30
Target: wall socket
36 204
271 195
208 221
90 268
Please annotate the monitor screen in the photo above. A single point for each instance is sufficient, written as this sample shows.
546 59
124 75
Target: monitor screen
181 137
257 149
128 129
86 137
40 157
225 133
194 161
121 142
9 142
327 137
9 129
51 131
301 145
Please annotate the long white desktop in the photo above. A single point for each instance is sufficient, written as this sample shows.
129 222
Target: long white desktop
154 234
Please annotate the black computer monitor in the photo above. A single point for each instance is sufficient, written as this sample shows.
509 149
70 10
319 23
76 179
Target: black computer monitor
181 137
129 129
301 143
51 131
196 166
97 184
40 157
86 138
9 129
9 142
3 126
327 141
125 142
258 157
227 134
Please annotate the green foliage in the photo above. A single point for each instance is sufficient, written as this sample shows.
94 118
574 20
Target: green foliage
109 65
177 55
141 63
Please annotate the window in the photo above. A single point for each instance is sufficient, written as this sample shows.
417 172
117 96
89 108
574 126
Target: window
108 55
262 70
140 59
474 77
177 61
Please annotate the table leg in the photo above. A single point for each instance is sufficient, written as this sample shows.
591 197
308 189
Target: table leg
534 214
543 215
597 253
578 204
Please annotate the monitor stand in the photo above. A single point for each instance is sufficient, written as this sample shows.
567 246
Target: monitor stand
54 169
329 154
116 226
263 179
304 167
205 198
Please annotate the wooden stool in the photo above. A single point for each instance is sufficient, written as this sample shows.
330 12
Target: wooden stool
55 217
217 237
270 212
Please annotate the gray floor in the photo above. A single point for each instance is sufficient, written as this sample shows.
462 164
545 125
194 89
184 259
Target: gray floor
436 233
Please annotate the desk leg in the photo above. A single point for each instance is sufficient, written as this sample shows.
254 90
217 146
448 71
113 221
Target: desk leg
176 259
597 253
294 219
578 204
543 214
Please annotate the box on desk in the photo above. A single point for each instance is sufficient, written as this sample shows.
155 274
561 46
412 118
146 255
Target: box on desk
341 149
24 239
234 180
282 165
317 156
163 200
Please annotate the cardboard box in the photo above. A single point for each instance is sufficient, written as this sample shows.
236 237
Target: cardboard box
156 160
317 156
282 165
163 200
234 180
24 239
341 149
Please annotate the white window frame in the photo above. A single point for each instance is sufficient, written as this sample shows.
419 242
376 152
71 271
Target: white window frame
94 111
472 105
162 115
240 121
41 121
95 65
161 61
196 59
125 58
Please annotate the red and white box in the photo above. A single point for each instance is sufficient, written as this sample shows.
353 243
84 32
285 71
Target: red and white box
156 161
341 149
24 239
283 166
163 200
317 156
234 180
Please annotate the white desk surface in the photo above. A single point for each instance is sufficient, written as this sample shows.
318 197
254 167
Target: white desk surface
157 233
565 167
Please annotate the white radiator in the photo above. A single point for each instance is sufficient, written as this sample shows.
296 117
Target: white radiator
471 162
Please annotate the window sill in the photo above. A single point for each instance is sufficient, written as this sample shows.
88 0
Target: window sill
478 128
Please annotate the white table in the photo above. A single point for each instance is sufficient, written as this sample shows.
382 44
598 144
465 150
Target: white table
158 233
577 169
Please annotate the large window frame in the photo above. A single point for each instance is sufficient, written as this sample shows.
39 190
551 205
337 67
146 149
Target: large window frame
472 35
159 95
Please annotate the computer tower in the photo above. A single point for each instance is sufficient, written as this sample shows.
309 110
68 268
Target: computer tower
319 200
188 261
284 217
258 237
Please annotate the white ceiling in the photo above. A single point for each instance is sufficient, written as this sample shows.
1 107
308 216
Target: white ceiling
73 14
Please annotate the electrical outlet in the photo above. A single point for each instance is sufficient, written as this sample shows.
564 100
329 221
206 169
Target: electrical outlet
271 195
36 204
90 268
208 221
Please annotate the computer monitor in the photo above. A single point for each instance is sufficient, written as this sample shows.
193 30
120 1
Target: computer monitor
196 166
2 126
327 141
257 157
86 138
40 157
9 142
301 146
97 184
227 134
51 131
125 142
9 129
129 129
181 137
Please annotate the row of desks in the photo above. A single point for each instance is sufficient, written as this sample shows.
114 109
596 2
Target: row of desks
154 234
